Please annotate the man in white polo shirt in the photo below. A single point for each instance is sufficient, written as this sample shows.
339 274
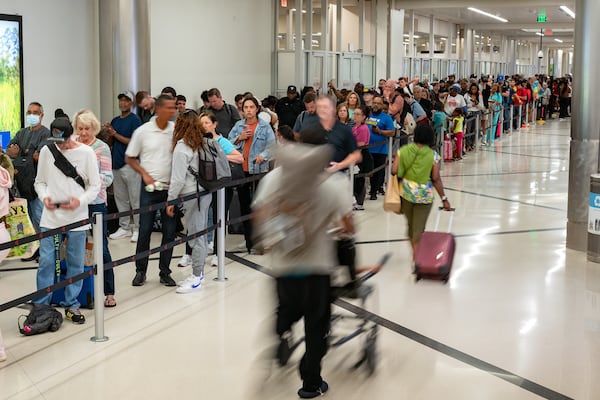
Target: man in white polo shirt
149 154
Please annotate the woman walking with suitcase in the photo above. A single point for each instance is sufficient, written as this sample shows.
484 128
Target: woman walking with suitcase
418 166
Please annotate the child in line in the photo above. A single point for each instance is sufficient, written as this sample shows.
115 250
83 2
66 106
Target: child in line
458 133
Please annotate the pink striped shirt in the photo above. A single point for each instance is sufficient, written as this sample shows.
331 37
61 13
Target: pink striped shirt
105 168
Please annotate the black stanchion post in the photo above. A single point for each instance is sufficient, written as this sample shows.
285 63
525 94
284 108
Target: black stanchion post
221 226
388 170
98 279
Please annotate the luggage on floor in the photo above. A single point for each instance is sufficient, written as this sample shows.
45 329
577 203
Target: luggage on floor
86 296
435 252
448 148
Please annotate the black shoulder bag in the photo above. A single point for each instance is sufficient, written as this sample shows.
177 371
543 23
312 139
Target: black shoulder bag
61 162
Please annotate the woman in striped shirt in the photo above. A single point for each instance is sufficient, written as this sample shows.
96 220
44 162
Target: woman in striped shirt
87 127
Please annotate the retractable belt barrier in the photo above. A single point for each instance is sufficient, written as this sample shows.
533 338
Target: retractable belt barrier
111 216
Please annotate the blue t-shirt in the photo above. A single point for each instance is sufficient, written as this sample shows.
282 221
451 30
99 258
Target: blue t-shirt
226 145
384 122
125 127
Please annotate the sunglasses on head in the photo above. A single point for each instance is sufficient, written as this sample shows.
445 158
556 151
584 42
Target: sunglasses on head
190 110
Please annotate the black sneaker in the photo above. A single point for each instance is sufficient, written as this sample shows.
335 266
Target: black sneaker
73 314
309 394
167 280
140 278
284 352
381 191
373 197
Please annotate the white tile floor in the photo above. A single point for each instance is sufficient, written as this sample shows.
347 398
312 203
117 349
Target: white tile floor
517 300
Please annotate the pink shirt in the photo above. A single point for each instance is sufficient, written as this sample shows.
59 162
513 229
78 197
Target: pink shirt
361 133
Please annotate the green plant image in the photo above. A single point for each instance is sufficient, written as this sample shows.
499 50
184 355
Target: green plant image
10 77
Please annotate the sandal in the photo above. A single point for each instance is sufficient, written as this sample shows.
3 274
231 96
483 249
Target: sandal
110 301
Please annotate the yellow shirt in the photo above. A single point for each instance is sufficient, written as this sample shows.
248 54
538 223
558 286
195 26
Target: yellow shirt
458 124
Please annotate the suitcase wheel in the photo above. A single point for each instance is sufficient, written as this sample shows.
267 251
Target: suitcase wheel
417 278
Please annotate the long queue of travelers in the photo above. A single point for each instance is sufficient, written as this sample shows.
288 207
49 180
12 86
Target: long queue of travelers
142 156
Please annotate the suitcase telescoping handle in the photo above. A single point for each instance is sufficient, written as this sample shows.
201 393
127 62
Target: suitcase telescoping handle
437 218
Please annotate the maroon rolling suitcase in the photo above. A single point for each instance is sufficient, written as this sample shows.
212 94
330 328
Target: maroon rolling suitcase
435 253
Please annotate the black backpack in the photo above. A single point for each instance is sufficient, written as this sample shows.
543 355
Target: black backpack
42 318
213 167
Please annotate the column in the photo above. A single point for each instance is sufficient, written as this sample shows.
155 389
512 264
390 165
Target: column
469 51
396 46
512 57
124 32
299 75
382 51
585 122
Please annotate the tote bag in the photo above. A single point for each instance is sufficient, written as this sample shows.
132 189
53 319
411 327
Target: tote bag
19 225
391 199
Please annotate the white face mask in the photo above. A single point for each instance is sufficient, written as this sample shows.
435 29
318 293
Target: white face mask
32 120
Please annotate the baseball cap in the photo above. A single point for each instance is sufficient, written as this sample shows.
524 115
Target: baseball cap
63 128
126 93
455 87
292 89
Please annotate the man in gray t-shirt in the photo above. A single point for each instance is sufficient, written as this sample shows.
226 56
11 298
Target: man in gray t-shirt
227 115
24 149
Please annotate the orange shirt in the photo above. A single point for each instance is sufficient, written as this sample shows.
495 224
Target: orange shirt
248 144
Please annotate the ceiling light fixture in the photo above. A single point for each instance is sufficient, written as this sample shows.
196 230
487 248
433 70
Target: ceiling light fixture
539 34
487 14
568 11
558 40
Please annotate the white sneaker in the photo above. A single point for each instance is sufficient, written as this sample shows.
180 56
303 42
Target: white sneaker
134 237
214 261
185 261
190 284
120 234
210 247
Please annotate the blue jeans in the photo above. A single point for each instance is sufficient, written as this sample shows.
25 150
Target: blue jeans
109 275
169 228
35 208
46 272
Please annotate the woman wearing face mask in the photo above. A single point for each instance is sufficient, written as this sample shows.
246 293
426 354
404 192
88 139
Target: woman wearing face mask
87 127
208 126
253 138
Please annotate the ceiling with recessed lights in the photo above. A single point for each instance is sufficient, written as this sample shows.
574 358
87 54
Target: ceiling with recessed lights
521 16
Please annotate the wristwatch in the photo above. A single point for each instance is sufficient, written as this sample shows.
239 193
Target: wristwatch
444 198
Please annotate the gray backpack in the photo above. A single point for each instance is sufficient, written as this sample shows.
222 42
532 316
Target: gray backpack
213 167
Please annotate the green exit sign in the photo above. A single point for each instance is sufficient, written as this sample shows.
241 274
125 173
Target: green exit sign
541 18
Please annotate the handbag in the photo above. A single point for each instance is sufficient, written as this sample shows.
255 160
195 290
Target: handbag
237 171
392 199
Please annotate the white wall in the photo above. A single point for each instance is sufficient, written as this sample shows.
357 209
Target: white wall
60 65
199 44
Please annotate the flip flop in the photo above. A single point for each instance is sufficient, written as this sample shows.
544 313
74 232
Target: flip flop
109 303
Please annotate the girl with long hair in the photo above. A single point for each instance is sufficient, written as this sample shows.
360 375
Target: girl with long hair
187 140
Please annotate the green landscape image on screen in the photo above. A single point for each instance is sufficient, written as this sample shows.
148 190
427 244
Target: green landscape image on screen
10 77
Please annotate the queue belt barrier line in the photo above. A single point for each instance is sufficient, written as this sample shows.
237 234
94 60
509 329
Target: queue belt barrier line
111 216
34 295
